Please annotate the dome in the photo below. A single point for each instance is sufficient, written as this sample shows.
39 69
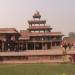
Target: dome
36 14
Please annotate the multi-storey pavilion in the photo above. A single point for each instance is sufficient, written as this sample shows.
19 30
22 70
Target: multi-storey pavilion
32 45
39 36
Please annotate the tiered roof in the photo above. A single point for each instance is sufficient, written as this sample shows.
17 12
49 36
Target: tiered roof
38 21
33 27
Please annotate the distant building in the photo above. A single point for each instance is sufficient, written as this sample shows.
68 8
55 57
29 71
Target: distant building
69 40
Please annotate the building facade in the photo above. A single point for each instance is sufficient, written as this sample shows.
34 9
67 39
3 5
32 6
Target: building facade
37 37
8 39
36 44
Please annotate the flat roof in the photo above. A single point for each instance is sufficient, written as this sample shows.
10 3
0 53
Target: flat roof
8 30
39 27
37 21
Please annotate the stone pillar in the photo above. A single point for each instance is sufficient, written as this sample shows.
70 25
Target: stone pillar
17 46
34 46
43 46
2 46
46 46
26 46
14 47
51 44
54 44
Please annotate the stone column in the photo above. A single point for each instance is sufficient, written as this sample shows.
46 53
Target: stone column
43 47
26 46
17 46
51 44
55 44
46 46
34 46
2 46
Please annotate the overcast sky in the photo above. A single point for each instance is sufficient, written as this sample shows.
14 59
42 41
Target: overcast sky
60 14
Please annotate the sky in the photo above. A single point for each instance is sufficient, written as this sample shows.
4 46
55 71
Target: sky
60 14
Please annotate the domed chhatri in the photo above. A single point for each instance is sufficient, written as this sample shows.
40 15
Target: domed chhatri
37 24
36 15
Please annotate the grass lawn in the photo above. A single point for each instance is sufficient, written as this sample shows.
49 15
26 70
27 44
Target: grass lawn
37 69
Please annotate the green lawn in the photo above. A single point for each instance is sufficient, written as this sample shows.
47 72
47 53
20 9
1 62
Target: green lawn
36 69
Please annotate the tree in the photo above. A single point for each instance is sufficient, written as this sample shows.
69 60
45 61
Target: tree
71 34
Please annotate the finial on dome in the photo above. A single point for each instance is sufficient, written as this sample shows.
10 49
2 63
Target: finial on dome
36 14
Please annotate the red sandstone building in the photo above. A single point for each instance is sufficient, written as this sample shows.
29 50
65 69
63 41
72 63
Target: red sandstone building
39 36
34 45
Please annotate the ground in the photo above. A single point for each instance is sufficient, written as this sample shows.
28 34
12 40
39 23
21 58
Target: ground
37 69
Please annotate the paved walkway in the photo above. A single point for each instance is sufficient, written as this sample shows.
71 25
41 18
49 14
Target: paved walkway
57 51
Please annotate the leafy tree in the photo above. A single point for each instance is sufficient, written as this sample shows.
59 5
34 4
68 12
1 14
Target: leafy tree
71 34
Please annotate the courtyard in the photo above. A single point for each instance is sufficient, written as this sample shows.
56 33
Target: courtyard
37 69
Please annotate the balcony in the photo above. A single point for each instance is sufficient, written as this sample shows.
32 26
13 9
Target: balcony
50 40
40 28
37 21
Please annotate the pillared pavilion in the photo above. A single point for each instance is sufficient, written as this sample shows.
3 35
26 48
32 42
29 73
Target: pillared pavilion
36 44
39 35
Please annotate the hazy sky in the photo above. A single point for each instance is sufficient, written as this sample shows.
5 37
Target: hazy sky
60 14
